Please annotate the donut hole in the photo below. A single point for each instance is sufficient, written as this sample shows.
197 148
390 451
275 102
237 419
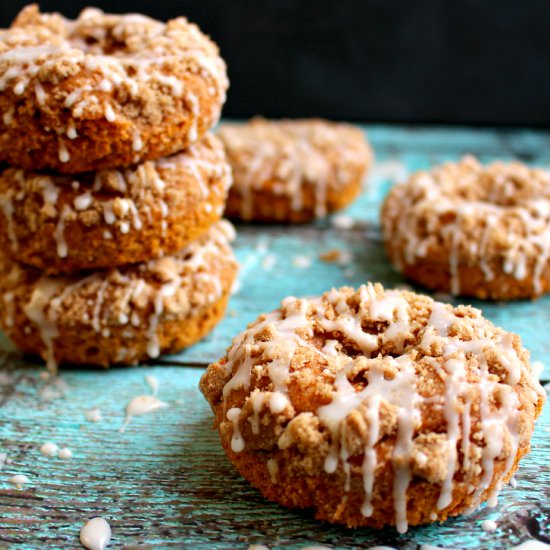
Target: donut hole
98 40
353 351
498 189
95 39
358 376
374 327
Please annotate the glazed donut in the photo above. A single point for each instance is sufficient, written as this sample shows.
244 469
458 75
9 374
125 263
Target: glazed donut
375 407
472 230
121 216
293 170
104 90
120 316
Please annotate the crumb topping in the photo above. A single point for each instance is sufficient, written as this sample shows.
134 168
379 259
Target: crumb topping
493 217
283 156
344 378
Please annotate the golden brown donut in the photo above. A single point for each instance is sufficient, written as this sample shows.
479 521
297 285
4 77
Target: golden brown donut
62 223
120 316
375 407
104 90
472 230
293 170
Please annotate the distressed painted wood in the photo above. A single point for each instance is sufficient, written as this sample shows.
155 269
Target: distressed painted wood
165 482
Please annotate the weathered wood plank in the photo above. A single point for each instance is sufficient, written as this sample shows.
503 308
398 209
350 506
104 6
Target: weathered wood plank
165 482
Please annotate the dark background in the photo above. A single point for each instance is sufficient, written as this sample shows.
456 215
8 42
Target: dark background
470 61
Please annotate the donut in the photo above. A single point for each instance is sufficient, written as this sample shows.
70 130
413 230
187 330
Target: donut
293 170
375 407
472 230
104 90
123 315
94 220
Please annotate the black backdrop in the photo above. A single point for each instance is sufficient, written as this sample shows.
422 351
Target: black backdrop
469 61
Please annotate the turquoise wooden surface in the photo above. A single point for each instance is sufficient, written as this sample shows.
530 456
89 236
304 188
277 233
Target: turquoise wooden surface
165 482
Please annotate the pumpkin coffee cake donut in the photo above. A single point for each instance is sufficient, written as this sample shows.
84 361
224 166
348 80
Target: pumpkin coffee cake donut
293 170
104 90
375 407
124 315
472 230
62 223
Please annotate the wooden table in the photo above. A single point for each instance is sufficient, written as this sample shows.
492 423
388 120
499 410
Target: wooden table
165 482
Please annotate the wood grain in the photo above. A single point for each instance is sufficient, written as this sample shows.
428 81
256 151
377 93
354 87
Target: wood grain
165 482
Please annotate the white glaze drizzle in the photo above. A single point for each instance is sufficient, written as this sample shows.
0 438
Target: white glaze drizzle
59 234
109 113
153 383
237 441
36 310
531 545
9 316
93 415
64 155
65 453
95 534
489 525
7 208
100 297
174 280
141 404
19 480
84 201
137 143
49 449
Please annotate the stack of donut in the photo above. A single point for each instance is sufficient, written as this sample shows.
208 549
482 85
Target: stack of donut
112 247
